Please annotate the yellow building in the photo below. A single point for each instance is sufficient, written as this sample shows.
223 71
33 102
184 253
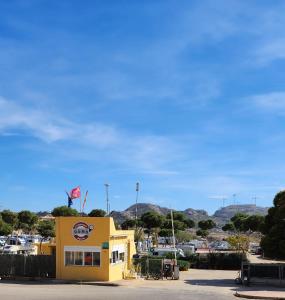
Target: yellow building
90 248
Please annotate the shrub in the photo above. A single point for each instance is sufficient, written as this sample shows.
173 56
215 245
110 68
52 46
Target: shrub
183 265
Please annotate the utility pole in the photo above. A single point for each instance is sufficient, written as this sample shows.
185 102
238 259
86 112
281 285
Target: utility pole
107 198
173 236
137 195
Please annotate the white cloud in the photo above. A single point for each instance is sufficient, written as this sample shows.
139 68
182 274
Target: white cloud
274 101
270 51
149 153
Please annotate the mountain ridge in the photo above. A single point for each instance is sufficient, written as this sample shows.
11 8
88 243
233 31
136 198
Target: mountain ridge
220 216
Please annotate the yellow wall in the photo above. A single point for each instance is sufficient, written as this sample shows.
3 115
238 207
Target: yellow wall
45 248
103 231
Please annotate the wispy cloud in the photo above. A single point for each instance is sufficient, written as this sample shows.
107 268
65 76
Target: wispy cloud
148 153
271 102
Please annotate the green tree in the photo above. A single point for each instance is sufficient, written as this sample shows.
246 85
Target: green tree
5 229
128 224
206 224
9 217
64 211
152 220
97 213
203 233
183 236
178 225
229 227
254 223
46 228
239 221
27 220
273 242
181 217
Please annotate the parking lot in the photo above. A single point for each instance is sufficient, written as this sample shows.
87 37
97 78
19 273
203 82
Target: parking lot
193 284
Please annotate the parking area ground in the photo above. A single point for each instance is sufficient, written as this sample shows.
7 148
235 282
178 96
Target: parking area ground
194 284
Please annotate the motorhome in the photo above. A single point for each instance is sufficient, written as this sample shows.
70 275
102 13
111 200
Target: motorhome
166 251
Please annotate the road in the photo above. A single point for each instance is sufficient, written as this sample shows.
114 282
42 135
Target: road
194 284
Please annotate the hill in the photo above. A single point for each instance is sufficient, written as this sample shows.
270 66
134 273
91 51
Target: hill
221 216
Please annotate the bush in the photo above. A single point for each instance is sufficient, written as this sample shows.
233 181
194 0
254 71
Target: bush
216 261
183 265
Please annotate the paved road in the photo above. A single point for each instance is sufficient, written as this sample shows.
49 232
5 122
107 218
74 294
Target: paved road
195 284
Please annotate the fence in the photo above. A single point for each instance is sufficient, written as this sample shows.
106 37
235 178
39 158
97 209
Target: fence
273 274
27 266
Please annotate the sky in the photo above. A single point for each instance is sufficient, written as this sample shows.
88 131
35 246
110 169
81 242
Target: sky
185 97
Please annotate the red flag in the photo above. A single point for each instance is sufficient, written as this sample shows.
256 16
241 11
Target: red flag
75 193
85 198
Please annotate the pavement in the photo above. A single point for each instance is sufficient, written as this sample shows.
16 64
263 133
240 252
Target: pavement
261 294
192 285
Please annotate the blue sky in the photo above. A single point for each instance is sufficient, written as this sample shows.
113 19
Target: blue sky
186 97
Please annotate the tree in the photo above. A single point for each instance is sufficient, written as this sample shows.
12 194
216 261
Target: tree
152 220
46 228
27 220
206 224
9 217
183 236
97 213
128 224
239 242
64 211
202 233
189 223
239 221
229 227
273 242
5 229
254 223
181 217
178 225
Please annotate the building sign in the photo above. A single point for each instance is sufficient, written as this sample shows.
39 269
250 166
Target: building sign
81 230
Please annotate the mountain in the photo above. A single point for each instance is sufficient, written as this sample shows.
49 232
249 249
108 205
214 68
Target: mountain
221 216
224 214
130 212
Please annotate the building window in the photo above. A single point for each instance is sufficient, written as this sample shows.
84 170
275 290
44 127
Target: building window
96 258
80 258
115 256
122 256
69 258
88 258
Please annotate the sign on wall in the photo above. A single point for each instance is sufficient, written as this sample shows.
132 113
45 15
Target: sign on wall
81 230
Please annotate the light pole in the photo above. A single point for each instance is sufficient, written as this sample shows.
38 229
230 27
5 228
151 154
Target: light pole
107 197
137 195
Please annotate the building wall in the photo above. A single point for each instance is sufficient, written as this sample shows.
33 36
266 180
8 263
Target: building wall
103 235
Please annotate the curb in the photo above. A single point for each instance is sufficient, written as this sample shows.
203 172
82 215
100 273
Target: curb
247 296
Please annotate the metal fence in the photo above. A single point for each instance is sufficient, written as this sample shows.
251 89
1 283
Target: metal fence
273 274
32 266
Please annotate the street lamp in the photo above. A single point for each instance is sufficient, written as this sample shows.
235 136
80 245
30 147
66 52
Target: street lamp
107 197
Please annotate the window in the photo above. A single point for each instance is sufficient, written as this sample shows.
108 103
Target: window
115 256
80 258
96 258
122 256
69 258
87 258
